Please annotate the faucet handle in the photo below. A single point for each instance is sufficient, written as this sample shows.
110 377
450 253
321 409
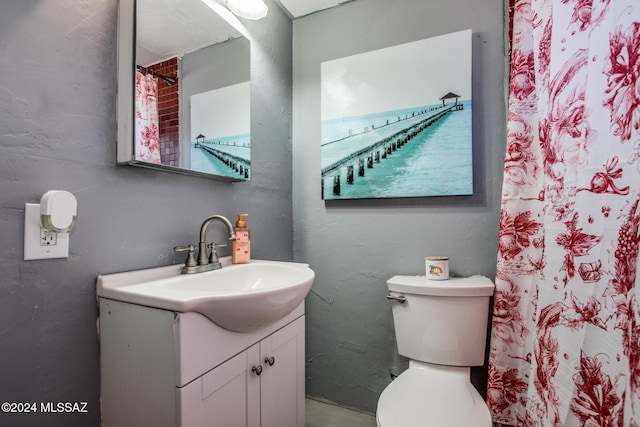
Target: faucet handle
191 256
216 245
213 256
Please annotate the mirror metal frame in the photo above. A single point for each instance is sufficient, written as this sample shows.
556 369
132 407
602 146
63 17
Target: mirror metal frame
125 103
126 94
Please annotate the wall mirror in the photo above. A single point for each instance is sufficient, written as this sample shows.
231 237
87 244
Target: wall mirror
183 89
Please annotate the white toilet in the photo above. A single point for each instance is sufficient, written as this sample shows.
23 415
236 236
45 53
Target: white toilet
441 326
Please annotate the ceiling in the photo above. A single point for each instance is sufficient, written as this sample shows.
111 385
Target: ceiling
298 8
168 28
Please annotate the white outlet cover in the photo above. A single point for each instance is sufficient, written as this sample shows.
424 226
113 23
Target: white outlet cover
35 246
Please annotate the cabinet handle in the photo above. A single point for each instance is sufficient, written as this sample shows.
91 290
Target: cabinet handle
270 360
257 369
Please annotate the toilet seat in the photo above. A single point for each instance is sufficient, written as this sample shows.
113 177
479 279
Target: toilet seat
423 397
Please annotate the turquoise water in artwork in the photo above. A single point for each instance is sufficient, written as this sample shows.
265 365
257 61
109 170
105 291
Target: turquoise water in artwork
436 162
238 146
337 129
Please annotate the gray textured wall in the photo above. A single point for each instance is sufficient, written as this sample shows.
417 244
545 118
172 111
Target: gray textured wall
355 246
57 131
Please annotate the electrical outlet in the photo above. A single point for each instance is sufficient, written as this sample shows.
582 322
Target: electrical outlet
48 238
38 243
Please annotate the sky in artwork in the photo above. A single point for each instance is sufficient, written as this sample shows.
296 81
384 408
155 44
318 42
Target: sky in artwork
398 77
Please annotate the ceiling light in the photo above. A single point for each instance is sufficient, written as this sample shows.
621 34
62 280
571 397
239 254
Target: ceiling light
248 9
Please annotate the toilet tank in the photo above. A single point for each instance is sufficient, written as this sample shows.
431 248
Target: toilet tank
442 321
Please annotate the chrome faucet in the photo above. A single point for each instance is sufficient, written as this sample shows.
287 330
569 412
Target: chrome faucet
212 260
205 262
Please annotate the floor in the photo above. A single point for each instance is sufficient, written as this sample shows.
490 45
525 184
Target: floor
322 414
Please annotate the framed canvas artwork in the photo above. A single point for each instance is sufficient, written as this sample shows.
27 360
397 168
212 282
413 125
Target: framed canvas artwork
396 122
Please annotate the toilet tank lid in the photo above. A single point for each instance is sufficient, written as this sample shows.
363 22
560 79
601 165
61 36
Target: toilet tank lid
473 286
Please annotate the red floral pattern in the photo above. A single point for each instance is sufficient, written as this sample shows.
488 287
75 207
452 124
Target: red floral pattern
515 233
599 397
604 182
623 81
147 136
565 346
575 243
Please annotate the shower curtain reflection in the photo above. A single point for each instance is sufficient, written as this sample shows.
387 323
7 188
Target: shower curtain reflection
147 137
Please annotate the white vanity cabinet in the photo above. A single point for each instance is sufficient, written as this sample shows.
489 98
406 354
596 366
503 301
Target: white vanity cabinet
163 368
262 382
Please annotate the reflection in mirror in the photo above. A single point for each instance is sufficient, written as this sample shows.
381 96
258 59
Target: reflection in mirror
188 108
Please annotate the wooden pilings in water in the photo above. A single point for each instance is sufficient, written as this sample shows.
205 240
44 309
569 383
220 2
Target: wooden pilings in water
375 153
371 158
236 164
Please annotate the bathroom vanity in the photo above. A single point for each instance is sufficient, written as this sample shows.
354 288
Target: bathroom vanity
222 348
164 368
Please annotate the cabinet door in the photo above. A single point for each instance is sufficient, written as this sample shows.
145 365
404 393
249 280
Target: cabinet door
282 383
227 396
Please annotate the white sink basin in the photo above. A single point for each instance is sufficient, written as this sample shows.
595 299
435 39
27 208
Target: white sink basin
240 297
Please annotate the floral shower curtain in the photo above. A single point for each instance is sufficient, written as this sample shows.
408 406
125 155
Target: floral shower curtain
147 136
565 345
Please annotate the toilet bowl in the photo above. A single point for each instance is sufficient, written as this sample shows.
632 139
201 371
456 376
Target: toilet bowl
441 327
431 395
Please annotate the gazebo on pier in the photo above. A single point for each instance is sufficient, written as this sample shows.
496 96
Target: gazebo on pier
452 95
199 140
